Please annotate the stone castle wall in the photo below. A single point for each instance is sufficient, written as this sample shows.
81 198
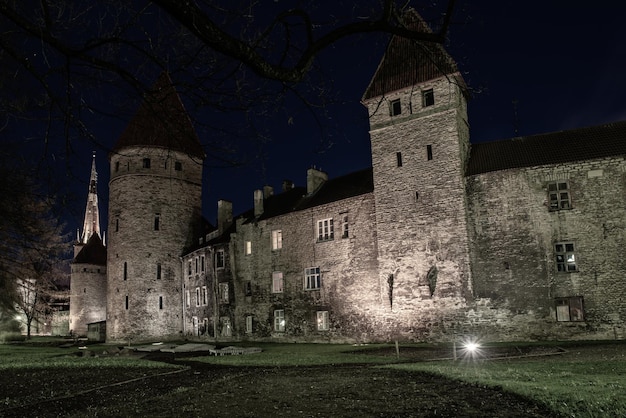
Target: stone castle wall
88 295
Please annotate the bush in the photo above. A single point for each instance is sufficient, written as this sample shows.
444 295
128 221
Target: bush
11 336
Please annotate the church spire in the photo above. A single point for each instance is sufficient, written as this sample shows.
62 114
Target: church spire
91 224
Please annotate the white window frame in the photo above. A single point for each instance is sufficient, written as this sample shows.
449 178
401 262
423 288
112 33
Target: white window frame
325 230
248 248
278 282
197 296
322 321
205 296
249 324
279 320
188 298
277 239
312 278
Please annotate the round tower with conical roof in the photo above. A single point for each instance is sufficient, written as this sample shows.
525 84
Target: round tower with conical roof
154 202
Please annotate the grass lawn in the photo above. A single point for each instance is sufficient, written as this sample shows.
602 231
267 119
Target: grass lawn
586 380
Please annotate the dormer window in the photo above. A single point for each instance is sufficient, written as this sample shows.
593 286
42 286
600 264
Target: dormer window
395 108
428 98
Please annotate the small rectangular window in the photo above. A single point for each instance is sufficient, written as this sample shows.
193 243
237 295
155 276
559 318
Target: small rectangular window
117 166
219 259
188 299
117 225
125 270
279 320
312 278
565 257
325 230
248 288
559 196
160 302
158 271
345 227
126 303
395 107
399 159
322 321
205 296
157 222
223 289
249 324
248 249
277 282
202 263
429 152
178 166
428 98
277 239
197 296
146 163
570 309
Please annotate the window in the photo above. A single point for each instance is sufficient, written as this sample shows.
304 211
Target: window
279 320
429 152
196 261
565 257
395 107
277 282
117 225
277 239
202 263
558 195
125 270
312 278
428 98
157 221
158 272
569 309
345 228
178 166
325 231
146 163
248 249
197 296
249 324
160 302
117 166
126 302
205 296
223 287
399 159
227 330
322 321
219 259
248 288
187 299
189 268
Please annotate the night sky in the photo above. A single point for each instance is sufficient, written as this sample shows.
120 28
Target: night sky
532 67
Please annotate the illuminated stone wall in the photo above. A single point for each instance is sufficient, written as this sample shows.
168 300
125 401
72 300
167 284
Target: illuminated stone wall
88 296
513 234
350 290
138 195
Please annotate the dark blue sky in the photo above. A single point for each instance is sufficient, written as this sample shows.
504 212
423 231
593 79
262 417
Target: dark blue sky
564 63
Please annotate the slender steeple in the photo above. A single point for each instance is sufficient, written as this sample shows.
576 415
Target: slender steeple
91 224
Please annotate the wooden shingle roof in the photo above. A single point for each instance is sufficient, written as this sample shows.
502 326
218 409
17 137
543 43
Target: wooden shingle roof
551 148
162 121
408 62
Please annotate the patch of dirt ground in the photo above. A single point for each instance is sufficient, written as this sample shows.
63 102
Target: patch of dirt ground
218 391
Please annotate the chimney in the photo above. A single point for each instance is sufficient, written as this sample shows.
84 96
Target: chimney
224 215
258 203
314 180
268 191
287 185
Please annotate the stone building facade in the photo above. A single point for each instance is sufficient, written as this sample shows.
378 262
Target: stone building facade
518 239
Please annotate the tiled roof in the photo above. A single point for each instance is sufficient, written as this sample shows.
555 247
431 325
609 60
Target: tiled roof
408 62
333 190
94 252
551 148
162 121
